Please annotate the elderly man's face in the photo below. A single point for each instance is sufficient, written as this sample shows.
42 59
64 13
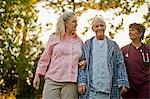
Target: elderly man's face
99 28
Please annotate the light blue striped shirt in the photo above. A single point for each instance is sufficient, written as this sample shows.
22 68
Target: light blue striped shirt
100 73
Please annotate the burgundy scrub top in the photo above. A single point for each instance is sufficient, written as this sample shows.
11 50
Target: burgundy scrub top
138 70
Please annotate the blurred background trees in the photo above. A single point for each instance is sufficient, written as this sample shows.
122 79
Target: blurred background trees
122 7
20 47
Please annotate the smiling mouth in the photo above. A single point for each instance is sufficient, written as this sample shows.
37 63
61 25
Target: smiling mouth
99 30
130 35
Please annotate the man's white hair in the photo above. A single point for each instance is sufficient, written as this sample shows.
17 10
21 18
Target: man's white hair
97 19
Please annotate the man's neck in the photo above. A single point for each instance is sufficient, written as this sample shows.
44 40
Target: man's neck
100 37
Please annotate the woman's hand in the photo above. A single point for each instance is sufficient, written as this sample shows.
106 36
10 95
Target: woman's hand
82 89
36 82
82 64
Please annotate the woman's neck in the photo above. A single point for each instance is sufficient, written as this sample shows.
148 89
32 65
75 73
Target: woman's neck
70 33
137 44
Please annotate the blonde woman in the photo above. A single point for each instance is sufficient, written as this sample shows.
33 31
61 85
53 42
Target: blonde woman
59 61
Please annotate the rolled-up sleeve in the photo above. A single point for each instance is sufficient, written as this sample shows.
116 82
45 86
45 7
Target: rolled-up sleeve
82 77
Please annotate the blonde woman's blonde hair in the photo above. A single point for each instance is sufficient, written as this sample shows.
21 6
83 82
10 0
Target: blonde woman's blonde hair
60 26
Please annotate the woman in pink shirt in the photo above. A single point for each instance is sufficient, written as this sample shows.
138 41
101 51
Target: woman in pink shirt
59 61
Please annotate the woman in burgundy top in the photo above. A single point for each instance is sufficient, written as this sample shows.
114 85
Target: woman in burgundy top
137 60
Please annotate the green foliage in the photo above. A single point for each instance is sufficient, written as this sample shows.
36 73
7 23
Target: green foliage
147 39
19 45
81 6
124 7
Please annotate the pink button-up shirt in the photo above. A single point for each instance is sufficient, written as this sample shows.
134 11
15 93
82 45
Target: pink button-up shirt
59 60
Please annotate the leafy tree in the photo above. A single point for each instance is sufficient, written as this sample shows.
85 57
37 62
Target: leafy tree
19 46
147 39
124 7
147 25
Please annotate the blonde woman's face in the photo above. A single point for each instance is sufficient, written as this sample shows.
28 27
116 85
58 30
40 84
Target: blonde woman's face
72 24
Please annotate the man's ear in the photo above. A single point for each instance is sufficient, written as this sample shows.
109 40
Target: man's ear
92 28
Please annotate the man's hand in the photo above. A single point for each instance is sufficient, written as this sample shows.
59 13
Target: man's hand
123 90
82 89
